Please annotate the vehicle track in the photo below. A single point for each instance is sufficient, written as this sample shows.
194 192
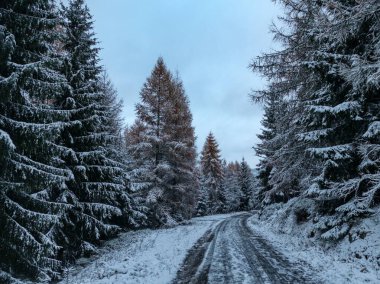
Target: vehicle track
233 253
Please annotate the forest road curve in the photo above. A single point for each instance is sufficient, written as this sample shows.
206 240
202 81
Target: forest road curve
233 253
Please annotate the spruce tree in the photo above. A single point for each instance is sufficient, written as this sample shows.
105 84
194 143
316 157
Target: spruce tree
31 173
212 173
231 186
161 143
267 146
326 78
97 194
114 105
245 182
343 114
283 149
202 195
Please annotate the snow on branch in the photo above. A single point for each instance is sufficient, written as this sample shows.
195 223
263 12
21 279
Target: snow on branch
373 130
339 152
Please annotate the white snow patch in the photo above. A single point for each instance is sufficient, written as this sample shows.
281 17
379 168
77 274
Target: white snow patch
349 261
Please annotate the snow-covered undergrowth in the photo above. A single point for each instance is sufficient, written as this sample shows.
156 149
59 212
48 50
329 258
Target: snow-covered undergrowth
146 256
354 259
7 278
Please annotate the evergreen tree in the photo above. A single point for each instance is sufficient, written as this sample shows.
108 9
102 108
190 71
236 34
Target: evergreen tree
283 148
343 115
97 194
161 143
31 173
231 186
245 182
326 79
202 196
212 173
267 147
114 105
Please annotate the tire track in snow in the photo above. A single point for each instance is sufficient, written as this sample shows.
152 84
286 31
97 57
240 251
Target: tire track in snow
233 253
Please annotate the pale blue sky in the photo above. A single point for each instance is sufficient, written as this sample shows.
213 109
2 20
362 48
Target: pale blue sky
209 42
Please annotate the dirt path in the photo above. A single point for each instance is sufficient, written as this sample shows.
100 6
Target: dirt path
233 253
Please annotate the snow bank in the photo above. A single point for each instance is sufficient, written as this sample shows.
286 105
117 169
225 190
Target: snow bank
355 259
146 256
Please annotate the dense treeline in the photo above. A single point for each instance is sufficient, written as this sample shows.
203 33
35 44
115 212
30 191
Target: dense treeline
69 178
321 134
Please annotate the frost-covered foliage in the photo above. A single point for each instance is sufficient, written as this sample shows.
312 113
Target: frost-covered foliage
278 168
231 187
224 187
212 175
90 143
202 201
237 187
62 177
321 137
30 172
161 143
245 179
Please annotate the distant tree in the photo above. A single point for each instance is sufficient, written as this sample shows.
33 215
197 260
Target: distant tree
246 183
202 196
161 143
231 186
212 173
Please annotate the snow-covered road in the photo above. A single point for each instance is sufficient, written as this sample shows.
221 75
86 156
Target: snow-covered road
233 253
232 248
145 256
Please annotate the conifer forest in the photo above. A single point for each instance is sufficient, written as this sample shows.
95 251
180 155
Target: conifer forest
87 196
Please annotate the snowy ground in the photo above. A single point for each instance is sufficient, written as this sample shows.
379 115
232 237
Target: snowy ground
146 256
235 248
346 262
